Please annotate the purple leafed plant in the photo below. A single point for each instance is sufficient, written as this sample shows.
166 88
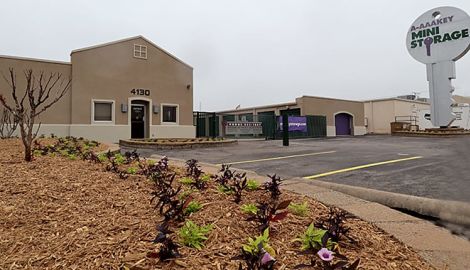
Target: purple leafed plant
334 224
273 186
194 171
270 212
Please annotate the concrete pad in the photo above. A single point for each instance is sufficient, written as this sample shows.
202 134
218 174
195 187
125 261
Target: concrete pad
423 235
303 188
335 198
454 260
374 212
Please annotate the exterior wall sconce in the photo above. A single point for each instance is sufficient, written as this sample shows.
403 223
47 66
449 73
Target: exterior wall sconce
155 109
123 108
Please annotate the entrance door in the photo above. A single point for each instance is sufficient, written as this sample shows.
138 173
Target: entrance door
137 121
343 124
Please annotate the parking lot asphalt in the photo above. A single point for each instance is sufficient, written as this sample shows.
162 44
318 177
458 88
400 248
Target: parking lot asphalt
429 167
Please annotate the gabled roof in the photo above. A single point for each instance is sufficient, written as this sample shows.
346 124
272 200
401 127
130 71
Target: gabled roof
127 39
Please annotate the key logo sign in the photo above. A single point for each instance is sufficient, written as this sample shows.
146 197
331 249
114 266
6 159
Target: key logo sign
440 34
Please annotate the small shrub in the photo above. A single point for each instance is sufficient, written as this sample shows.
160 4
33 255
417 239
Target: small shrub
300 209
192 208
252 185
192 235
249 208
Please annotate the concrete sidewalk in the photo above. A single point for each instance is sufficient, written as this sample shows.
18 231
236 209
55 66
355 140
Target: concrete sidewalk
435 244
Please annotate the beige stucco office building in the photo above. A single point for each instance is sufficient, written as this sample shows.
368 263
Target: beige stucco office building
343 117
129 88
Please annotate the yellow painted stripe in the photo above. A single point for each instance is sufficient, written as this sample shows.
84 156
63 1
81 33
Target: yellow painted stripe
278 158
361 167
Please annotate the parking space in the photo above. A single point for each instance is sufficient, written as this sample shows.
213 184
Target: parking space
429 167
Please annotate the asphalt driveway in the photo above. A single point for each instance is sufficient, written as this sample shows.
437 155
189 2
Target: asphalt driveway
429 167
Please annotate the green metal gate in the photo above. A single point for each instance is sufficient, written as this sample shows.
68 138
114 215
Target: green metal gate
316 126
207 124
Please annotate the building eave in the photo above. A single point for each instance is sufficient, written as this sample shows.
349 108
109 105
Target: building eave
35 60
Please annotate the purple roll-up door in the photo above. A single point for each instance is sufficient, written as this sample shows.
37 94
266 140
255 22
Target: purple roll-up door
343 124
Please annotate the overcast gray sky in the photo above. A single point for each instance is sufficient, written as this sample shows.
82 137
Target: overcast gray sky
245 52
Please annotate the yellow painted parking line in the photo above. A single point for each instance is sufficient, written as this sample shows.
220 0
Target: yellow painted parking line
361 167
278 158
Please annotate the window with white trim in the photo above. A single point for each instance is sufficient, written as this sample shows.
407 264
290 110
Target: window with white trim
140 51
170 113
102 111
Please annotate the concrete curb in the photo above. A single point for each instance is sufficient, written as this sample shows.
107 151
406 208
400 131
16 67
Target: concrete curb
450 211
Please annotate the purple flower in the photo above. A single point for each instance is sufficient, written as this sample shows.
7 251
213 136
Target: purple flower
267 258
325 254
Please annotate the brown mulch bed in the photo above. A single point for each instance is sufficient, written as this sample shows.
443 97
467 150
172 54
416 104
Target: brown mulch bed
57 213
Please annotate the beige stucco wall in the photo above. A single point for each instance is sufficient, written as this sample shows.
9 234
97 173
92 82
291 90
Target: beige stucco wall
380 113
330 107
57 114
461 99
111 72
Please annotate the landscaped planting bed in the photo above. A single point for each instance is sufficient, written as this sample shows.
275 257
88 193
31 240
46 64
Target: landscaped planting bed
103 212
166 144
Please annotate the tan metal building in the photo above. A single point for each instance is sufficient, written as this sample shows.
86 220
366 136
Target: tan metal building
343 117
122 89
380 113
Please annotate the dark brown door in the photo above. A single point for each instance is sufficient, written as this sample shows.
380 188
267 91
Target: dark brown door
137 121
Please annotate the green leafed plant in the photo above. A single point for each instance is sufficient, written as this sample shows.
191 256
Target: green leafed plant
192 235
252 185
252 247
102 157
192 207
299 209
131 170
119 159
257 254
249 208
186 181
225 189
313 238
185 194
37 153
205 178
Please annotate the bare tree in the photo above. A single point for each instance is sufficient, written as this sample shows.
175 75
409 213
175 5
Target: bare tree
40 94
8 124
